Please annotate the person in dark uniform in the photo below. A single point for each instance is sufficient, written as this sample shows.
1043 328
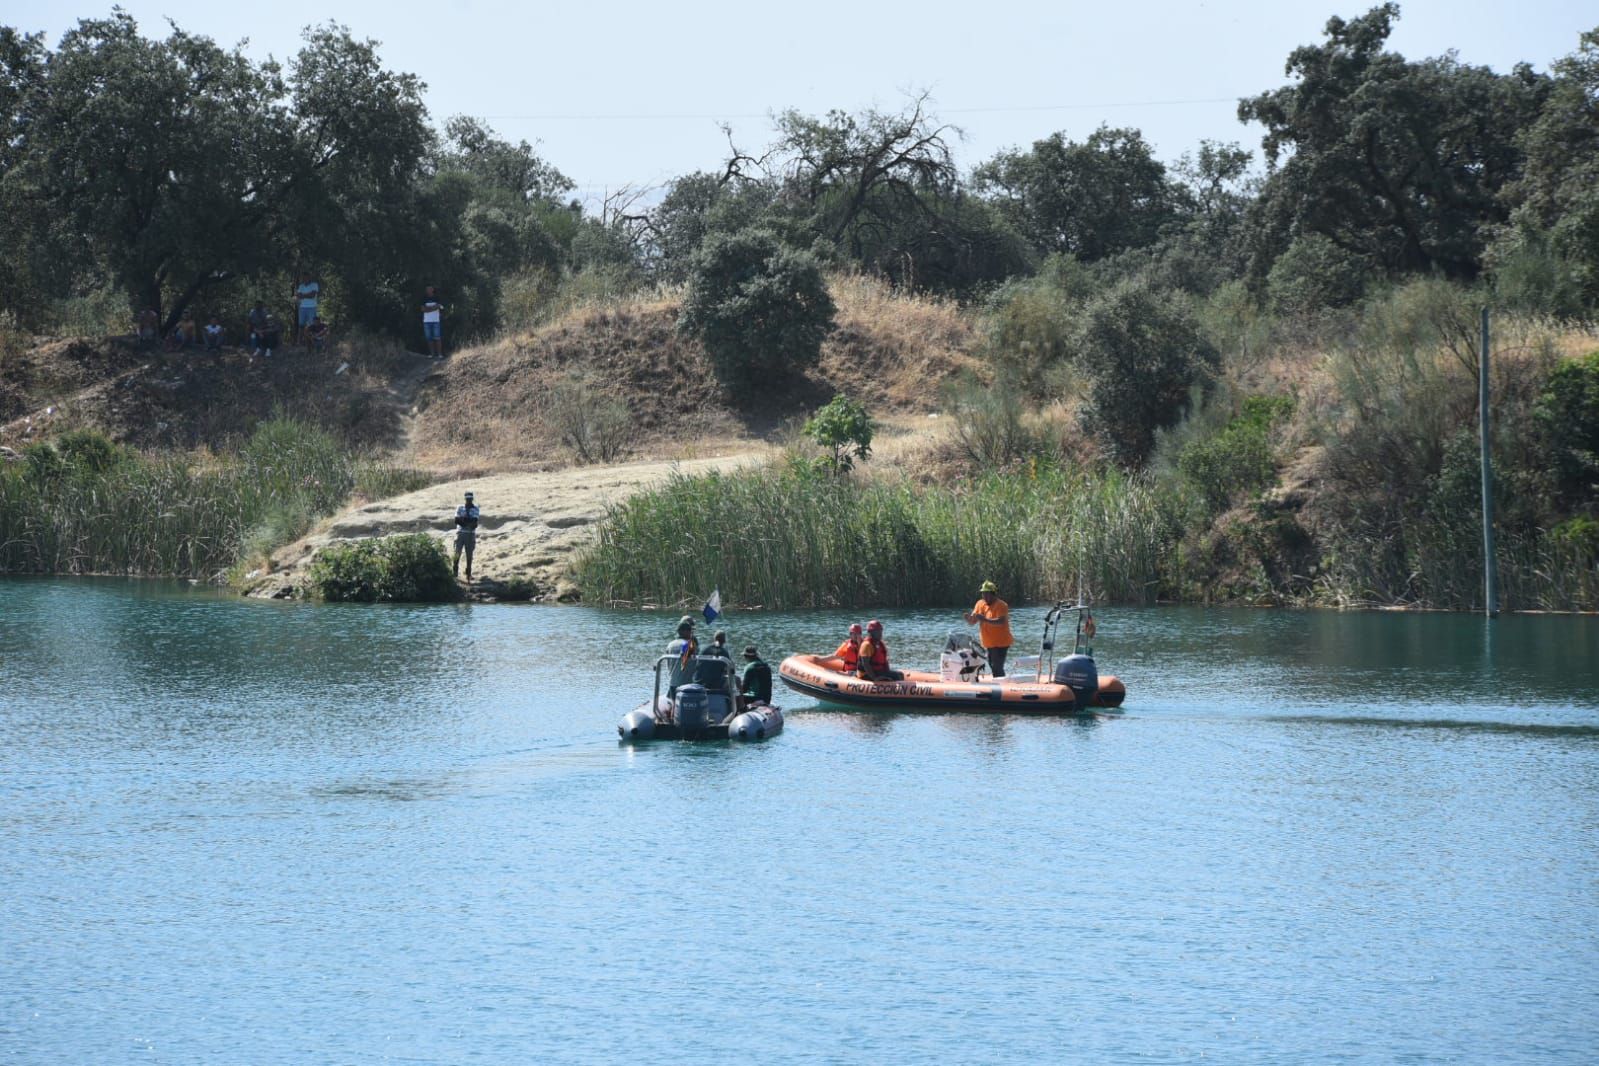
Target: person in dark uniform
757 682
466 517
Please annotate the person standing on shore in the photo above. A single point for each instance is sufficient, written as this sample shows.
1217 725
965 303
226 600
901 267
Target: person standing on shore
306 295
433 322
466 518
993 616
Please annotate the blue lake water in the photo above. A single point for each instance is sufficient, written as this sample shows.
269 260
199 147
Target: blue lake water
244 832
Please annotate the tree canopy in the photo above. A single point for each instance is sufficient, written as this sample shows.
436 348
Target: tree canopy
1396 161
1089 200
176 171
761 309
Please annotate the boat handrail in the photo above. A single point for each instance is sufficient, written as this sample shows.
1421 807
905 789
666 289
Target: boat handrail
729 676
1046 660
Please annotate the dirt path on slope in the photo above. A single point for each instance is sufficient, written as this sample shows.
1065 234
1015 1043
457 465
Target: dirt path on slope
531 525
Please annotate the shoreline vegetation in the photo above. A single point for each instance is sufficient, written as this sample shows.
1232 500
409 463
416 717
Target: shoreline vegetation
1248 376
83 505
1336 467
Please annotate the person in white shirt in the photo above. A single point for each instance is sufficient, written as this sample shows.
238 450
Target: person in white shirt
432 322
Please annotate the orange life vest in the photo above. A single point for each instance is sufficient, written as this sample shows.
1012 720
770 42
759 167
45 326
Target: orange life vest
876 652
850 652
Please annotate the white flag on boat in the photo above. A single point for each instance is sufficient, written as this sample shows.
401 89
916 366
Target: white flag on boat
713 606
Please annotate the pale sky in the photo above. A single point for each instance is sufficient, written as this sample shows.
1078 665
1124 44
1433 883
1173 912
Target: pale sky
632 93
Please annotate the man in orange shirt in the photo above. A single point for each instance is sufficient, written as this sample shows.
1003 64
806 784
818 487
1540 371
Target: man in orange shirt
994 632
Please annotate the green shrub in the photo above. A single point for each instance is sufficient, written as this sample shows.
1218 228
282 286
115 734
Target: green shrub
843 428
761 309
1238 460
78 454
1580 534
1420 317
1143 351
408 568
1568 410
1530 275
987 422
1029 332
1315 274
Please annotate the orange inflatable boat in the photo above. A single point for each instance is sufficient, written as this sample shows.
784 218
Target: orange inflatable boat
1072 685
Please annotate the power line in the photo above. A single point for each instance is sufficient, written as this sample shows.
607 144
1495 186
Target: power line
671 117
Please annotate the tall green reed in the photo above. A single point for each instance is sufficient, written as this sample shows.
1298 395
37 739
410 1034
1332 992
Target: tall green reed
790 536
79 508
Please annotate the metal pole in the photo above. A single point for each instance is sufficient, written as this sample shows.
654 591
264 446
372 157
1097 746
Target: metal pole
1490 568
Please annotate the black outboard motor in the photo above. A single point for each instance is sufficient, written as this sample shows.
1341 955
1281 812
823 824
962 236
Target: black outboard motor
1080 674
693 707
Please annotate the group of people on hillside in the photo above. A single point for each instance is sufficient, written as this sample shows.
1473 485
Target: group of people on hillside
265 332
187 333
865 654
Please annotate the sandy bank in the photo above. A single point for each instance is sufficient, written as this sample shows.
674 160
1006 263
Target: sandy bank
531 525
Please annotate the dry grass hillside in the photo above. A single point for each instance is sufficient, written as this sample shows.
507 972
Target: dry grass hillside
492 406
153 399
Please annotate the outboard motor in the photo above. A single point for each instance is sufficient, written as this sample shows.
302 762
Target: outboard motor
693 708
1080 674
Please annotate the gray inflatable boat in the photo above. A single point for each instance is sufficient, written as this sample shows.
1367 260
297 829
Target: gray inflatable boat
698 699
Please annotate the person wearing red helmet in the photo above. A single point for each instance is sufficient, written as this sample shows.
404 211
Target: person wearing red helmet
874 656
850 650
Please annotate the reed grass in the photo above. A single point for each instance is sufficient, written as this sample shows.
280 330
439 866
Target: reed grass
790 536
65 511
